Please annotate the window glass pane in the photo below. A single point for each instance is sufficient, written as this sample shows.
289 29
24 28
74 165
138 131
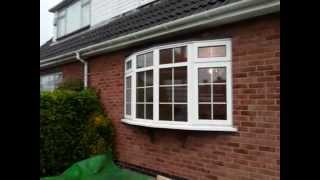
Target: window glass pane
128 82
145 60
180 94
50 81
128 65
50 77
73 17
219 75
149 59
205 111
149 78
204 93
140 111
180 112
61 28
219 93
85 15
140 61
212 51
149 111
47 78
128 108
180 75
140 79
204 75
42 79
144 94
218 51
59 77
166 56
165 112
149 94
166 76
140 95
220 111
128 95
55 77
204 52
165 94
180 54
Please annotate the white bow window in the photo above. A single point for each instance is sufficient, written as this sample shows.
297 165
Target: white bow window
181 86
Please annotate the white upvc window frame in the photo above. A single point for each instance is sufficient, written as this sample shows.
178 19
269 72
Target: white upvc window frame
85 3
135 70
128 73
56 83
192 64
63 14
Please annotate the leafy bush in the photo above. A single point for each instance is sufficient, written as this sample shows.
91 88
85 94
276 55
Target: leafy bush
72 127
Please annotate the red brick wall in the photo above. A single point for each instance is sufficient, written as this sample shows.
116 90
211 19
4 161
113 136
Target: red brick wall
72 70
251 153
106 75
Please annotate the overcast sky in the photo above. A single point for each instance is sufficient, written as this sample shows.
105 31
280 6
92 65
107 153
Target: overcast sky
46 19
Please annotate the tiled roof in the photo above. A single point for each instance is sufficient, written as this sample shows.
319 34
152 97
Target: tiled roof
157 13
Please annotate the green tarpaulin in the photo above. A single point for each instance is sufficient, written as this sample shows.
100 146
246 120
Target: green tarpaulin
99 167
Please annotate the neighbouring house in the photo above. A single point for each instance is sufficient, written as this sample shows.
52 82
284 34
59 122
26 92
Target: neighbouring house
192 86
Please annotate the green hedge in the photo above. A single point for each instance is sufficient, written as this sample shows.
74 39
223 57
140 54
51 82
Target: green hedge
72 127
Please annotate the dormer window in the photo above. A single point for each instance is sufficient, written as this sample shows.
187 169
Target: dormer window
73 17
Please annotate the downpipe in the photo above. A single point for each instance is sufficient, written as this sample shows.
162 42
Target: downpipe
85 69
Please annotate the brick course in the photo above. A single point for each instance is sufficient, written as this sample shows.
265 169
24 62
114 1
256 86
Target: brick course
252 153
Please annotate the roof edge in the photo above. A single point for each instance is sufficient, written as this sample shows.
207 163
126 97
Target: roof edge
61 5
222 15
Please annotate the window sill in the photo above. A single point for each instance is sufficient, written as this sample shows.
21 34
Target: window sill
181 126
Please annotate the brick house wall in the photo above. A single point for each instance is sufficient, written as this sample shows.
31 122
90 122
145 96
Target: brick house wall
251 153
70 71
